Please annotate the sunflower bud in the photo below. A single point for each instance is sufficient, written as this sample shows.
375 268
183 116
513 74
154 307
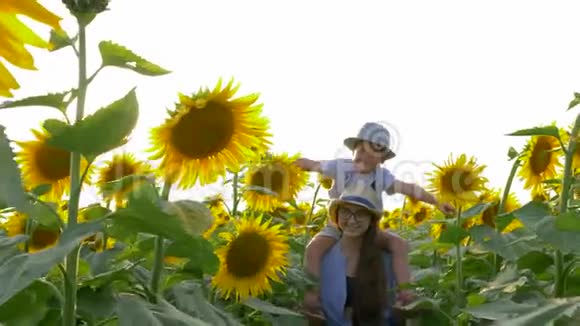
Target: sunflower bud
86 10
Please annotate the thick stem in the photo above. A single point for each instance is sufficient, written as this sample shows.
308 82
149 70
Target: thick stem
159 250
560 288
501 208
69 313
458 263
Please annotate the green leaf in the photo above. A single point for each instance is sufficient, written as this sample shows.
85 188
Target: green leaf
59 39
532 213
474 210
96 302
112 187
499 310
101 132
545 314
11 190
46 215
41 189
53 100
198 250
512 153
538 131
264 306
19 271
28 307
117 55
133 310
195 216
569 221
566 241
510 246
536 261
190 299
575 101
453 234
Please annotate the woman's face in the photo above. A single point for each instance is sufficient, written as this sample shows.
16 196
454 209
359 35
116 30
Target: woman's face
353 220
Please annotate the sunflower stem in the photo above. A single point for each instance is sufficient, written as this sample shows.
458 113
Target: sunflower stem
560 288
27 232
309 218
501 208
71 261
159 250
235 194
458 263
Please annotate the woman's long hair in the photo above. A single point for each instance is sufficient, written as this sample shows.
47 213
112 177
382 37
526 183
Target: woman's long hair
370 291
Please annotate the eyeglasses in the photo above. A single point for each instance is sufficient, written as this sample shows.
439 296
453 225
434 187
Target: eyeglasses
358 215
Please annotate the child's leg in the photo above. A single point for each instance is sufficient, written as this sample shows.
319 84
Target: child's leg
318 246
400 252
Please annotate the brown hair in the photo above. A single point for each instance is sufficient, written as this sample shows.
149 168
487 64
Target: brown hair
370 291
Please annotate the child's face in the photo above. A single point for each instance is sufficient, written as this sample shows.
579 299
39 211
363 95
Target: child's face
368 156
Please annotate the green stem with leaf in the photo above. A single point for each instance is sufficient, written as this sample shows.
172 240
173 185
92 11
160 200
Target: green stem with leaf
159 250
69 313
458 263
502 203
560 286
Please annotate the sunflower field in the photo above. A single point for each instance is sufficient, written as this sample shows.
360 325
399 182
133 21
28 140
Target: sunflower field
136 257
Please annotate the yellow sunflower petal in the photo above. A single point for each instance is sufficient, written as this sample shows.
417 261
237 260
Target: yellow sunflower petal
40 237
254 255
119 166
541 161
208 133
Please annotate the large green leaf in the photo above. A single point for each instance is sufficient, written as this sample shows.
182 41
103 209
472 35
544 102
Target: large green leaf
510 246
11 190
28 307
189 298
474 210
101 132
569 221
195 216
133 310
531 214
117 55
198 250
19 271
96 302
264 306
566 241
538 131
546 313
453 234
499 310
54 100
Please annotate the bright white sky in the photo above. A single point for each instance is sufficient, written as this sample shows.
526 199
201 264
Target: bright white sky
447 76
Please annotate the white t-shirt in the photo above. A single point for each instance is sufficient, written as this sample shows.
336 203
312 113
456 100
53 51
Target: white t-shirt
344 174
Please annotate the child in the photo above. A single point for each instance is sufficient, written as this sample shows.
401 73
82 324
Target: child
371 148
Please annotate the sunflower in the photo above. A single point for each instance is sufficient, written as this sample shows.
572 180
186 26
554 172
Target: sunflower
272 182
43 164
325 181
421 213
254 254
299 218
459 181
541 161
207 133
121 165
40 238
14 35
490 213
219 211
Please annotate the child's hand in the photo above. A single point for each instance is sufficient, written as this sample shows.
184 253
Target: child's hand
405 296
446 208
312 301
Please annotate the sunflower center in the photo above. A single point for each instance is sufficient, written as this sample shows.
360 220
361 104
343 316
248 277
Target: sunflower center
203 132
488 216
541 155
53 163
457 181
247 255
271 178
43 238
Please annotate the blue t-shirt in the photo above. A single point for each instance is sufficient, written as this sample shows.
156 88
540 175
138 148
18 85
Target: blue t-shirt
344 174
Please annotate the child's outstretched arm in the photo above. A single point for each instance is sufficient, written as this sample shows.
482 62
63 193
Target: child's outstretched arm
308 165
417 192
